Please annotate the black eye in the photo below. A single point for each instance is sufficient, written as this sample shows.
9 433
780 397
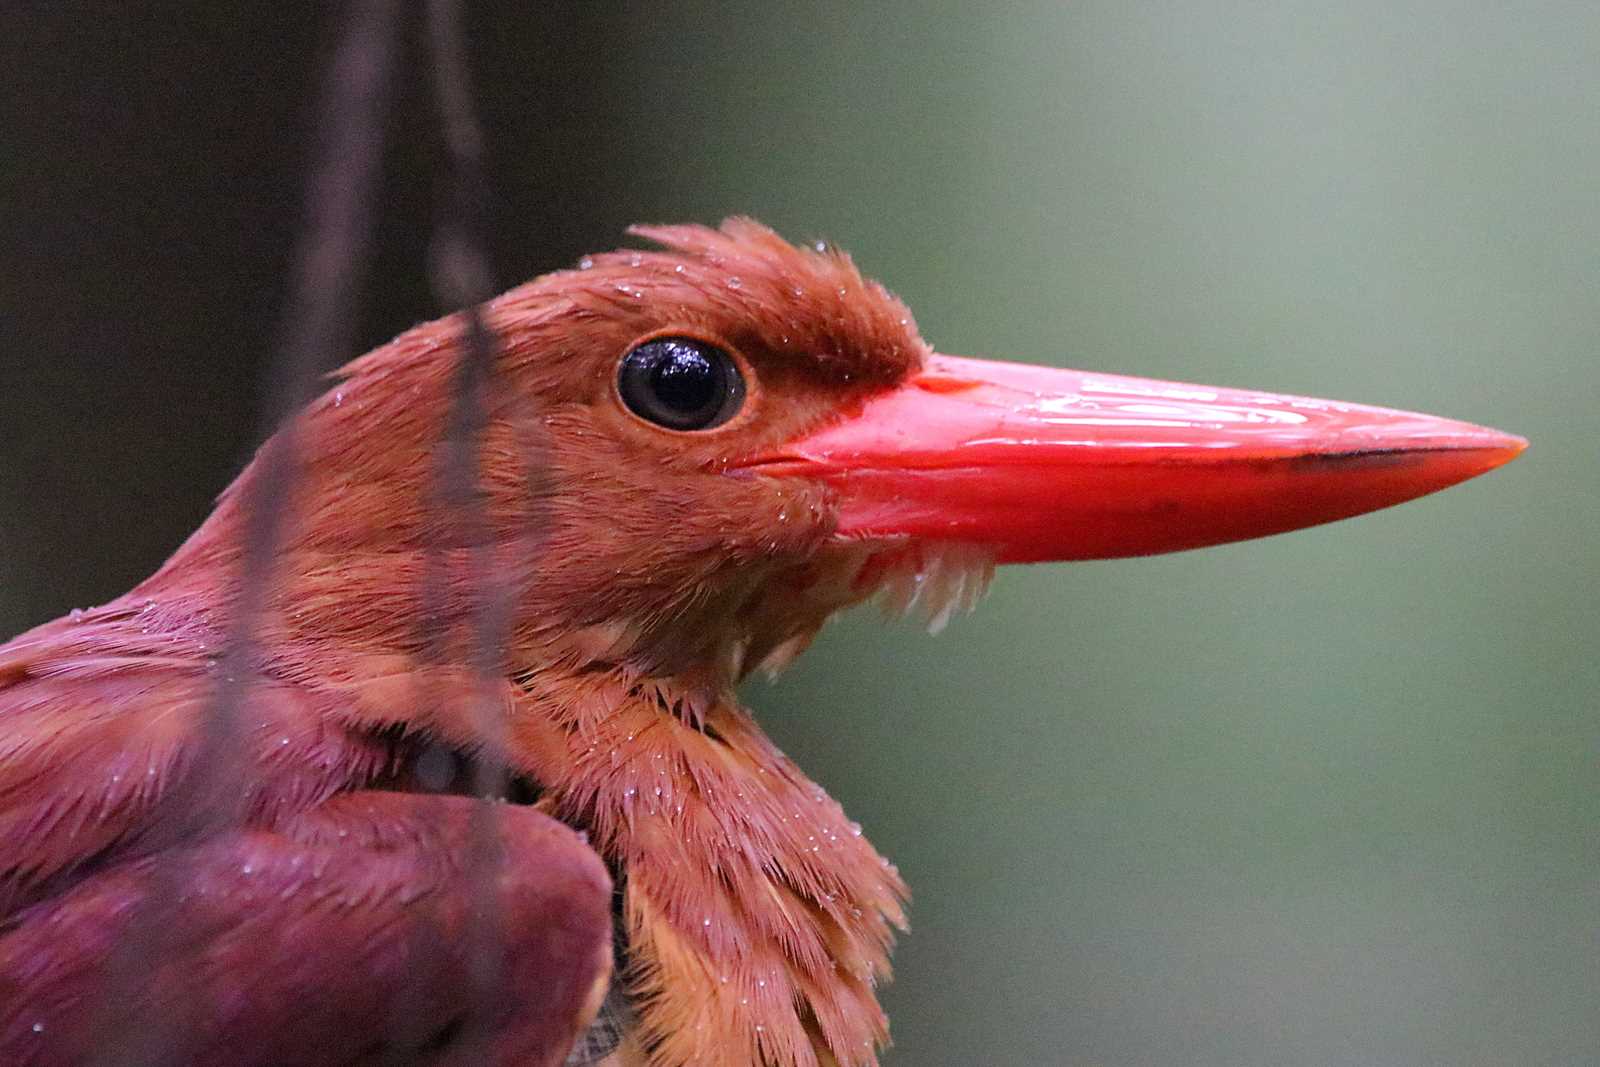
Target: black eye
681 384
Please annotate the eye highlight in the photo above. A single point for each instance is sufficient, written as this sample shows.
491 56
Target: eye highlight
681 383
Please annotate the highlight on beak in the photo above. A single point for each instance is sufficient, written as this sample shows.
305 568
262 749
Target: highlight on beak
1047 464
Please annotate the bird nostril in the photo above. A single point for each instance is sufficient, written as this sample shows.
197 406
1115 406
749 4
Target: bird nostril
944 383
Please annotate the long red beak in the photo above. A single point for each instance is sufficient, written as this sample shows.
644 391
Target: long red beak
1046 464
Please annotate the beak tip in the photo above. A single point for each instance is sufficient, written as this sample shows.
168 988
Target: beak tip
1497 448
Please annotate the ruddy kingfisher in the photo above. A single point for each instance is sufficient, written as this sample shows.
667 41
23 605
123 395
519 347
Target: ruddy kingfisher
735 438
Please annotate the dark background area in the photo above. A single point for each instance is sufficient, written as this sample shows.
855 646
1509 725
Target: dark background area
1325 799
152 194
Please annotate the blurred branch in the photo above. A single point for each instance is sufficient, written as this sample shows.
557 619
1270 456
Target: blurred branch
319 327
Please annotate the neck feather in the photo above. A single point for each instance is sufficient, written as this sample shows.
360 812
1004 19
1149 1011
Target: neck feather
759 920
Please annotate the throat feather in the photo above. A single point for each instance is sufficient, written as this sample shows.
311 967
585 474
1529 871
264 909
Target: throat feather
759 919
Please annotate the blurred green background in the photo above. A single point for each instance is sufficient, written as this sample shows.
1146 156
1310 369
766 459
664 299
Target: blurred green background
1328 798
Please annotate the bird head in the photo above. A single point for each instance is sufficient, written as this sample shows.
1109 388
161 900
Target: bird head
695 455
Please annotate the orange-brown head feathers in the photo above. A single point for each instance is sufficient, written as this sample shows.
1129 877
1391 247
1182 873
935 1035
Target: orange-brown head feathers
684 546
620 538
